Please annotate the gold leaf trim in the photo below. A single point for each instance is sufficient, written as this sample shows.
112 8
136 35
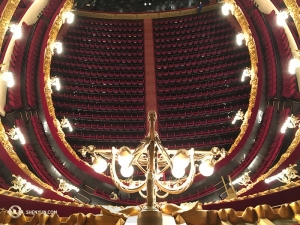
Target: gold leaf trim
294 11
6 16
12 154
283 157
240 17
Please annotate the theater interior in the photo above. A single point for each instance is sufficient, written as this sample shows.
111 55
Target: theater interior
116 111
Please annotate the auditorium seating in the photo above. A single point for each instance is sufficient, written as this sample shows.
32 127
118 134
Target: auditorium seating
32 157
102 66
289 85
198 69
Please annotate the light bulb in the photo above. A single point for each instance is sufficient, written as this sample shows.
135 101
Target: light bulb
99 164
124 156
178 172
206 168
181 159
126 171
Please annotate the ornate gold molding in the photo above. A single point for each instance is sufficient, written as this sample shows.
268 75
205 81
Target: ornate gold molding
13 155
185 213
240 17
140 16
294 10
44 200
283 157
6 16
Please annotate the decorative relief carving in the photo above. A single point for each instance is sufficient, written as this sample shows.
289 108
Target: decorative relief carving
6 16
294 10
240 17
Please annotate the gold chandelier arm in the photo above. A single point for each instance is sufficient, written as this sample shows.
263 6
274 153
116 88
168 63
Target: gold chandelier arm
140 150
117 181
141 194
184 186
140 167
162 196
164 153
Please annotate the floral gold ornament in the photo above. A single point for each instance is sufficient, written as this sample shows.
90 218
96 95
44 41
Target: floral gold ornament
23 186
64 186
286 175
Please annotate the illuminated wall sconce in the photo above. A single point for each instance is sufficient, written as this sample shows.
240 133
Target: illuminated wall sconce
293 65
242 180
15 134
285 176
226 8
66 124
16 29
281 17
65 186
55 82
239 38
68 17
246 73
8 78
22 186
58 46
238 116
291 122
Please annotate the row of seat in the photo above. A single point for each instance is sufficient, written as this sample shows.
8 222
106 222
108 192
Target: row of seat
124 83
201 94
105 75
108 23
127 91
113 31
108 53
89 58
196 52
32 61
282 42
196 113
126 108
192 74
274 149
197 144
106 137
98 66
268 51
196 123
168 37
137 118
215 66
129 98
169 105
110 127
32 156
185 19
124 39
213 42
169 136
187 25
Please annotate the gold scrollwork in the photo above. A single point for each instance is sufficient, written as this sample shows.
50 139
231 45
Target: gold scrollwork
294 10
6 16
240 17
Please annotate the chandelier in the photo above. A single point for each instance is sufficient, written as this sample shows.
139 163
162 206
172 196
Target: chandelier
153 160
